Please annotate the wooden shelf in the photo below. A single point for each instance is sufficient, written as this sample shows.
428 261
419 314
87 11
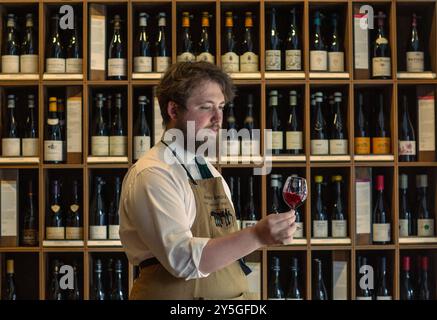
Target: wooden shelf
375 158
286 158
284 75
19 160
62 76
63 243
330 241
418 240
416 75
147 76
104 243
339 158
246 75
18 77
329 75
105 160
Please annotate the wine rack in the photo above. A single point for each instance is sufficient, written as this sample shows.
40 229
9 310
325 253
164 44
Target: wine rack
32 264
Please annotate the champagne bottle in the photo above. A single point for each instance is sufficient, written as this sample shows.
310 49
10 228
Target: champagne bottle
338 142
381 215
319 288
74 50
293 50
30 146
143 54
275 289
318 53
55 225
248 58
294 291
141 129
100 134
118 137
251 146
162 59
407 290
381 62
117 292
206 46
55 56
74 229
363 288
114 217
275 140
98 214
319 134
98 292
30 223
186 51
29 48
273 45
425 222
294 132
116 53
415 53
383 292
11 293
249 217
405 214
407 137
335 47
11 47
362 134
230 57
55 292
320 216
233 144
338 216
381 138
11 142
424 292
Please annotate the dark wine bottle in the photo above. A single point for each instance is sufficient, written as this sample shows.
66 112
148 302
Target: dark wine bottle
273 45
407 290
405 213
55 55
381 215
11 293
116 53
338 215
275 289
415 53
381 61
55 225
335 47
362 133
109 279
118 137
98 213
293 129
299 221
74 229
275 140
30 142
118 292
293 50
230 57
319 134
318 52
100 134
425 222
294 291
62 126
319 216
162 59
251 146
55 292
74 50
381 138
319 288
338 141
186 50
424 292
141 130
29 48
363 289
53 142
206 46
11 142
98 292
248 58
143 51
383 292
11 47
407 137
74 294
277 204
30 223
249 217
233 144
114 217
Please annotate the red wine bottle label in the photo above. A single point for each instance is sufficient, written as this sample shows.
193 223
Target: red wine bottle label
249 62
53 150
403 228
10 64
320 229
273 60
319 60
230 62
381 232
336 61
29 63
425 227
339 228
415 61
381 67
293 60
381 145
407 148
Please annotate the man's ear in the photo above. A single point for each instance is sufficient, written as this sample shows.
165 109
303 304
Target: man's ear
172 110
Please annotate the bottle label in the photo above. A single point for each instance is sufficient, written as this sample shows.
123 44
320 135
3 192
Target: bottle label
319 60
320 229
415 61
384 298
233 147
381 232
53 150
275 140
52 122
407 148
339 228
425 227
100 145
98 232
55 65
238 221
273 60
143 64
29 63
293 60
73 65
381 67
162 64
403 228
55 233
294 140
11 147
426 116
205 56
230 62
338 146
362 145
250 148
73 233
141 146
10 64
114 232
30 237
186 57
117 145
249 62
116 67
248 223
381 145
299 230
336 61
30 147
363 298
319 147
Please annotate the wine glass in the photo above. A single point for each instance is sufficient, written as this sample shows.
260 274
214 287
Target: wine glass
295 191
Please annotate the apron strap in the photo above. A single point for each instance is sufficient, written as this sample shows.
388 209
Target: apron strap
177 158
203 168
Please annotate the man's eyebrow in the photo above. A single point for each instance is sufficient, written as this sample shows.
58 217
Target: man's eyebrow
210 101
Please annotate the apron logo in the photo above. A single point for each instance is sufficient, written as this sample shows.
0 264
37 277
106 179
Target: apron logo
222 217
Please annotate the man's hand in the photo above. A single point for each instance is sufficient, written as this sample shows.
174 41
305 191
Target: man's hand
276 228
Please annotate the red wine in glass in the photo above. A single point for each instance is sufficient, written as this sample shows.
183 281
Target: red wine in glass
295 191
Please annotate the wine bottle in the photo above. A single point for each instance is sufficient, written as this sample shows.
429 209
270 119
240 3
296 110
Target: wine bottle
117 292
11 142
114 217
206 46
55 292
186 51
30 224
335 47
424 292
293 50
318 53
250 146
425 222
74 294
250 217
237 201
98 213
275 289
362 134
53 143
319 289
415 53
118 137
407 290
74 50
141 129
381 215
275 140
233 144
338 215
248 58
55 226
30 147
98 292
405 214
11 293
74 229
363 290
299 221
162 59
338 142
383 292
116 53
294 291
55 56
381 62
273 45
143 54
320 216
29 48
407 137
108 112
293 129
11 47
109 279
277 204
62 126
100 134
319 135
230 57
381 138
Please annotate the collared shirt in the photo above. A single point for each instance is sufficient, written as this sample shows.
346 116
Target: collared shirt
157 210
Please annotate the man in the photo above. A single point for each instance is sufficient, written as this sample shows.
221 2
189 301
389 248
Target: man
171 199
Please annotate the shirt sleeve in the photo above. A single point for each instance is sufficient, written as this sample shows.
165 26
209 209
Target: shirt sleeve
159 213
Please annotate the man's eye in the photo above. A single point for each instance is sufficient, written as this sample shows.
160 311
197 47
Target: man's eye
221 108
205 107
